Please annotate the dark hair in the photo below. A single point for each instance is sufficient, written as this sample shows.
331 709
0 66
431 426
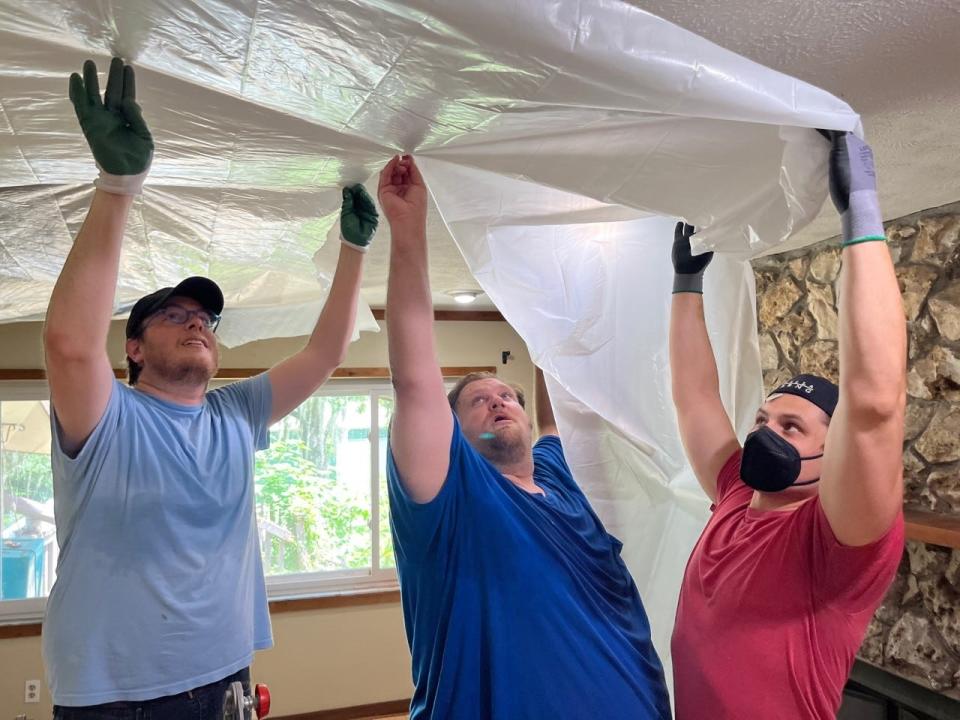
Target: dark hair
454 394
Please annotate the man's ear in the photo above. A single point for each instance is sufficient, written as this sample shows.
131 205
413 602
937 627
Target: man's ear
134 351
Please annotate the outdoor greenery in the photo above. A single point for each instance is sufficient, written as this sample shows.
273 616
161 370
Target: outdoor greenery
300 489
25 475
313 515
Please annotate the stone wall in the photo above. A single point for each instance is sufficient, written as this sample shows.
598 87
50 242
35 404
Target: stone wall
916 632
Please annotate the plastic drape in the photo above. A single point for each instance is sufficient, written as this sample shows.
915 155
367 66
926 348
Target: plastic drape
560 140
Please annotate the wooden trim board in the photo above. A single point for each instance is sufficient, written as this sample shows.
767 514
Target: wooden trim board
357 712
933 528
239 373
454 315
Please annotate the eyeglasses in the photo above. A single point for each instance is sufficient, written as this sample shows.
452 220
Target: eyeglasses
179 315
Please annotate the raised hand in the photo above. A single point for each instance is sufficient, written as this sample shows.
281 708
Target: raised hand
358 218
688 268
113 126
403 194
853 188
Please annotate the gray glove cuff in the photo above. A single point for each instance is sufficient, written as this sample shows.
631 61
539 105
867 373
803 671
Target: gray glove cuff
862 218
688 283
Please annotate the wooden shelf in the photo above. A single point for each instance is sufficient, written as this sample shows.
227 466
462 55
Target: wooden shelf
933 528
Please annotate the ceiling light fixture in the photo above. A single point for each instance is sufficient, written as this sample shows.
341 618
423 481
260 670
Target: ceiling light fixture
465 297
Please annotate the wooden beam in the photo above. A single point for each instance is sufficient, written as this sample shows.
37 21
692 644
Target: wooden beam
239 373
933 528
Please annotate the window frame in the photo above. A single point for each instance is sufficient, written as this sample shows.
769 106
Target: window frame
319 583
26 609
290 586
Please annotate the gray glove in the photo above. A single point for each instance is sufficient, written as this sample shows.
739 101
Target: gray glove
688 269
853 187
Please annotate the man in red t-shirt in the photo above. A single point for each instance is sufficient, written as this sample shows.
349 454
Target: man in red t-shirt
807 527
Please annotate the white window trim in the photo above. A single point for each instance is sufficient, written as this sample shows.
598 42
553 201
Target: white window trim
279 587
29 609
347 582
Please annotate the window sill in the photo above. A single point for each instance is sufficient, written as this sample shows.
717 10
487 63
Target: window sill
386 596
383 596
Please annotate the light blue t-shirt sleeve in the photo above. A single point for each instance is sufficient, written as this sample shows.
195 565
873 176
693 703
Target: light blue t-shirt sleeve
74 476
252 398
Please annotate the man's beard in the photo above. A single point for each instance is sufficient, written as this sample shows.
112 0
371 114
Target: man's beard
504 450
186 373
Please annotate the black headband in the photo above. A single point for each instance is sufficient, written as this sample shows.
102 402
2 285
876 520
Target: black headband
820 391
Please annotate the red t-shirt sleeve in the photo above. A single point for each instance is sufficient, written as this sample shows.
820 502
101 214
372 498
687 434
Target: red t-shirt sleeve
729 477
853 579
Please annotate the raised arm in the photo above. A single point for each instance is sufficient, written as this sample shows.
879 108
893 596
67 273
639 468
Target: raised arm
293 380
861 488
705 429
422 420
78 317
546 423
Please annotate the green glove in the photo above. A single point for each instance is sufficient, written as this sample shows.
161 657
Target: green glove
118 137
358 218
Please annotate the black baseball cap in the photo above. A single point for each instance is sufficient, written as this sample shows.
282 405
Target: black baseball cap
203 290
818 390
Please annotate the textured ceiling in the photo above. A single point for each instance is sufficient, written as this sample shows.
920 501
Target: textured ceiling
895 62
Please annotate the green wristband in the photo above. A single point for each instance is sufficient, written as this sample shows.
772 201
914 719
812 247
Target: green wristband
867 238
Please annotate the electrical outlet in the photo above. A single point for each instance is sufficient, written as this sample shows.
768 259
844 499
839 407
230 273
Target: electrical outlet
31 691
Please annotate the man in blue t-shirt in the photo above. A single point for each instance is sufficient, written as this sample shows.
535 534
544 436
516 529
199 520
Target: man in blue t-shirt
160 600
516 601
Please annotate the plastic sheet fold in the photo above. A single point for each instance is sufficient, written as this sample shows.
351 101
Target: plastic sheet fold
561 140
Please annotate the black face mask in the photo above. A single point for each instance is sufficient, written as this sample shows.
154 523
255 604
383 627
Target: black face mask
770 463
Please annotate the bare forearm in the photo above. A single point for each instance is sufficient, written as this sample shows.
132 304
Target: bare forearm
693 368
409 315
78 317
334 329
546 422
872 332
705 429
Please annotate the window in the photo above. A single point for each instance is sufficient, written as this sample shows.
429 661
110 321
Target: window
28 544
322 493
321 498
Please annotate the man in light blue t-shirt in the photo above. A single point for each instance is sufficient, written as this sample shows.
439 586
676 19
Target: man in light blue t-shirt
515 598
160 599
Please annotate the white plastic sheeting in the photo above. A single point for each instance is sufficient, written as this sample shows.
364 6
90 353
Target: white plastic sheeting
560 139
591 298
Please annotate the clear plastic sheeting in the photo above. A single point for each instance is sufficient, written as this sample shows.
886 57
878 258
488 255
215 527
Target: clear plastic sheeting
560 140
